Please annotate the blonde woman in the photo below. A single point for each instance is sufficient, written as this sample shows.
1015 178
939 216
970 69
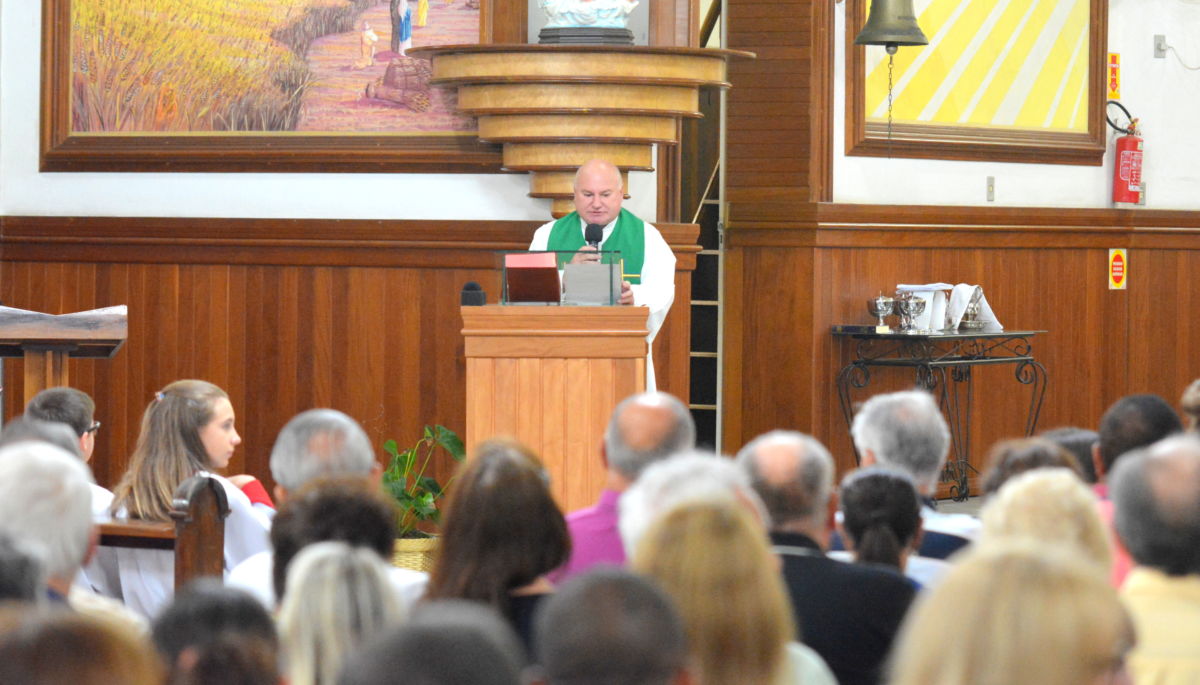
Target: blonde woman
714 562
187 429
1012 613
338 598
1052 506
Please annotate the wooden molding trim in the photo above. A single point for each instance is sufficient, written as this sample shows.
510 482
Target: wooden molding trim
844 225
310 242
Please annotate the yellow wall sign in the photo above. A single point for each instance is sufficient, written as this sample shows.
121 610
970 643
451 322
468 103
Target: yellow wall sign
1118 269
1114 76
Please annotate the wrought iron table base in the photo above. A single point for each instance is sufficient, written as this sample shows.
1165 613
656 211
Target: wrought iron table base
942 363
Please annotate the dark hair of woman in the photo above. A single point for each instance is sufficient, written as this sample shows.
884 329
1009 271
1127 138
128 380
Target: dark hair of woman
502 529
1008 458
881 514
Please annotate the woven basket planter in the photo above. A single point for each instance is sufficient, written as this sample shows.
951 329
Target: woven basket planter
417 554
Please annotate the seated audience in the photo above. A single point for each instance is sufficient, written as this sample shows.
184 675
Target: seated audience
444 642
213 635
187 429
689 477
713 561
46 504
338 598
611 626
51 647
848 614
1156 494
1053 507
643 429
1079 442
501 534
1190 403
1131 422
1008 458
881 518
350 510
906 432
21 575
1016 613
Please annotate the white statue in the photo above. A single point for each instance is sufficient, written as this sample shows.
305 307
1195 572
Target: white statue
608 14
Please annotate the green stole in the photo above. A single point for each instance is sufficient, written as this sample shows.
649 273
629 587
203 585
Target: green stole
628 237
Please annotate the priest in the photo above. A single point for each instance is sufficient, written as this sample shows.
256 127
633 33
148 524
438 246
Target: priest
648 265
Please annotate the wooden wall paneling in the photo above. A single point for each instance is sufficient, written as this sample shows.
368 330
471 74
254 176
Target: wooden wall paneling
1164 349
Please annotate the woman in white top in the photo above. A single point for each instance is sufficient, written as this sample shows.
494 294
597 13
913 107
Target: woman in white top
188 429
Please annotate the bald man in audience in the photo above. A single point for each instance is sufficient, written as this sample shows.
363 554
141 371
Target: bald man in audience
643 429
906 431
1132 422
611 626
1156 495
848 613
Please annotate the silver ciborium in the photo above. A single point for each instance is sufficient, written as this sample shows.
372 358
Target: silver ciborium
881 307
909 308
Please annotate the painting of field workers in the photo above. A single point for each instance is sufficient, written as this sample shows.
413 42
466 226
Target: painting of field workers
288 67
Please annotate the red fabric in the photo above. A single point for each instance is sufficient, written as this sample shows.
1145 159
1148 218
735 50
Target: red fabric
257 493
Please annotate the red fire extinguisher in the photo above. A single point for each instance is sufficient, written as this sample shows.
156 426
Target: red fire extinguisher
1127 162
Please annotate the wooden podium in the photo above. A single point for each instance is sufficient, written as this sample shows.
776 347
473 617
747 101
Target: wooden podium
550 376
47 342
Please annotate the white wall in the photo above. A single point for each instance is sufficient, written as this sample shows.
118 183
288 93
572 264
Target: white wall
24 191
1160 91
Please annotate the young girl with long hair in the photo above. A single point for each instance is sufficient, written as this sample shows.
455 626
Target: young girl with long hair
187 429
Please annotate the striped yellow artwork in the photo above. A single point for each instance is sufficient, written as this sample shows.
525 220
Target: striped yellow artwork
1014 64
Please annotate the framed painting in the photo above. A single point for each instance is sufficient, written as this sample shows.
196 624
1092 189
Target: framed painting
1001 80
260 85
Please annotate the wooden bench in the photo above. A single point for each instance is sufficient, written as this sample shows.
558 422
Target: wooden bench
196 534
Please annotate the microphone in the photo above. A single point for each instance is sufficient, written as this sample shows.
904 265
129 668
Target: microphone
593 234
473 295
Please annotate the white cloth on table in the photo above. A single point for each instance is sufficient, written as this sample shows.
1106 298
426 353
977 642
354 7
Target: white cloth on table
657 289
148 575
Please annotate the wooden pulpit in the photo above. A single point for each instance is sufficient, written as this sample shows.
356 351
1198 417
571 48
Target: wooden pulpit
47 341
549 377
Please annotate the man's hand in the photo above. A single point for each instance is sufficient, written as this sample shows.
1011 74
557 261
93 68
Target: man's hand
587 253
626 293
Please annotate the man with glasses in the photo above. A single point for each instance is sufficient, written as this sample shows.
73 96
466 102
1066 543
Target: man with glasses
75 409
72 407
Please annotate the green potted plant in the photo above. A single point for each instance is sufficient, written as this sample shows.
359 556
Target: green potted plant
417 494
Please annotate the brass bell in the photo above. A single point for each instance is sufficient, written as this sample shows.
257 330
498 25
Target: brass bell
891 23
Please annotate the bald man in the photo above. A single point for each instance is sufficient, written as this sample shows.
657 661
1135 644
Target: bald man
643 429
648 265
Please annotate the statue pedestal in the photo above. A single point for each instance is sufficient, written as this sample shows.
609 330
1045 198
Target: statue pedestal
554 107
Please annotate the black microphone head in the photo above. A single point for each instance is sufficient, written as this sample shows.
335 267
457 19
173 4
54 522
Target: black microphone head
593 234
473 295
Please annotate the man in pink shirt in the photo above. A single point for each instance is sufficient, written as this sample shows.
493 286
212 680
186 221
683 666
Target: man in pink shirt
643 429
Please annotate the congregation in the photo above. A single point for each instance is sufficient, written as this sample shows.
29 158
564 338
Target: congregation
1083 566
